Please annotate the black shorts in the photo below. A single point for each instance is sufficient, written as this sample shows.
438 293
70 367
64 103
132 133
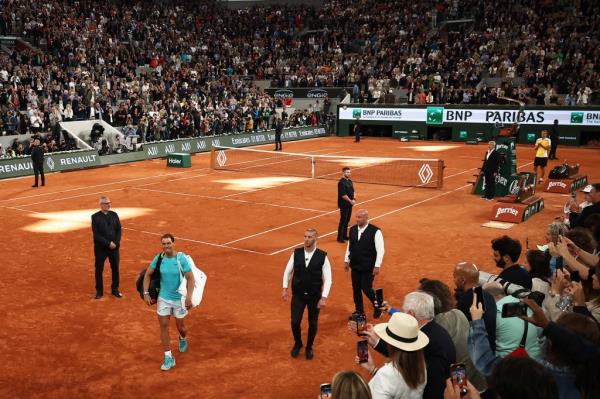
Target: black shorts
540 161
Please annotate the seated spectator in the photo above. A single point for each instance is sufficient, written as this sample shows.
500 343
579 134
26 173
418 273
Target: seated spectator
455 323
512 332
349 384
538 265
404 376
440 352
578 219
466 277
506 253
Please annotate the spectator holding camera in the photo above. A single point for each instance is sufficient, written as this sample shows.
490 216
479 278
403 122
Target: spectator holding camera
404 376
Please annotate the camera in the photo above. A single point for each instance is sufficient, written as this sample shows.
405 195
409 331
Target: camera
512 289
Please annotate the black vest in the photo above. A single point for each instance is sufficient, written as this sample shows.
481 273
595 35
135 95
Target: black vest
308 280
363 252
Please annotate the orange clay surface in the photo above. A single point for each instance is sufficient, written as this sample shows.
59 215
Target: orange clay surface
58 342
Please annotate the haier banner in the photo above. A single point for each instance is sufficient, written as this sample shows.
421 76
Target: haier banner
437 115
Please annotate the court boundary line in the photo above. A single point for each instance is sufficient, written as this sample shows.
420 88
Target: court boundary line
337 210
396 210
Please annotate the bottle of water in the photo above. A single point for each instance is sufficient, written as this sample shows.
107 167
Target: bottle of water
565 303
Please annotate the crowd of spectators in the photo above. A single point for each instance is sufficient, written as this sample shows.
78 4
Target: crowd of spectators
548 351
173 68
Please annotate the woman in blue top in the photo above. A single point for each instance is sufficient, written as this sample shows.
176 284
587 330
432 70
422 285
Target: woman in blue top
170 302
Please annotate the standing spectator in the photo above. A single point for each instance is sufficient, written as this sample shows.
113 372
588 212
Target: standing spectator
310 271
364 255
106 228
173 267
345 200
553 140
37 159
542 146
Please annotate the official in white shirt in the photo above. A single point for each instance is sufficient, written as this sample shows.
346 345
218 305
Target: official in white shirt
364 256
310 272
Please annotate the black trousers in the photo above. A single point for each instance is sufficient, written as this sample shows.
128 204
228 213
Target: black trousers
113 258
490 185
278 141
299 302
345 214
362 282
552 154
357 136
38 169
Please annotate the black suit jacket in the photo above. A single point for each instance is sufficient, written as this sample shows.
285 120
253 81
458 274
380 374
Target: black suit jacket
106 228
439 355
492 164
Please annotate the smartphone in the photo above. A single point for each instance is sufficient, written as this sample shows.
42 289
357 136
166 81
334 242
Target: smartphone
478 292
362 350
514 309
361 323
325 391
537 296
379 296
458 373
575 276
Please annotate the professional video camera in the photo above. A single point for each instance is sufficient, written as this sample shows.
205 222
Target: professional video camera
512 289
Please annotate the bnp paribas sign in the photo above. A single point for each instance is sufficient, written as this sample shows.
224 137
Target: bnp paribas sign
435 115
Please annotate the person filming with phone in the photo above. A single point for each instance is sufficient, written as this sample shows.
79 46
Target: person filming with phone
310 272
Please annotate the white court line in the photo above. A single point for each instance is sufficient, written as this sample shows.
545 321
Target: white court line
400 209
127 180
334 211
384 214
230 199
212 244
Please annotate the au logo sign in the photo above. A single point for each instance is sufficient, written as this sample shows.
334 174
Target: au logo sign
435 115
576 117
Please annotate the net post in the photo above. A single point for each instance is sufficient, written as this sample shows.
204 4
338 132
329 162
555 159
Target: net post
213 156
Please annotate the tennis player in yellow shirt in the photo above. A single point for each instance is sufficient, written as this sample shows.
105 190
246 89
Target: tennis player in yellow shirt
542 146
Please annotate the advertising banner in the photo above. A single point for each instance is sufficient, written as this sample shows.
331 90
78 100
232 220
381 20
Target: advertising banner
54 162
437 115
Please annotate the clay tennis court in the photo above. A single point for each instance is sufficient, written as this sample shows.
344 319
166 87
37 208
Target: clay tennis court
240 228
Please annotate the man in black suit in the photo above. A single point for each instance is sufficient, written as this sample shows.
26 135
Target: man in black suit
106 227
310 271
37 159
345 202
489 170
439 353
356 131
466 277
278 131
364 256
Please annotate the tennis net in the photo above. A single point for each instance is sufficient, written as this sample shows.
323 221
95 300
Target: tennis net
409 172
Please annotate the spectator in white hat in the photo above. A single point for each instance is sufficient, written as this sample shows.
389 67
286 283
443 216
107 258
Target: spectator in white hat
404 376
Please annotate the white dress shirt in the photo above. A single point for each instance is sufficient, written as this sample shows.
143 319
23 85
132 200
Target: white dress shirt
388 383
378 246
307 257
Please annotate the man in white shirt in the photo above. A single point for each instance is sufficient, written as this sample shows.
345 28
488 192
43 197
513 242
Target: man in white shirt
364 256
311 282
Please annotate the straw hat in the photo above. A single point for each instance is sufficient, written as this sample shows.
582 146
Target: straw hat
588 189
402 332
